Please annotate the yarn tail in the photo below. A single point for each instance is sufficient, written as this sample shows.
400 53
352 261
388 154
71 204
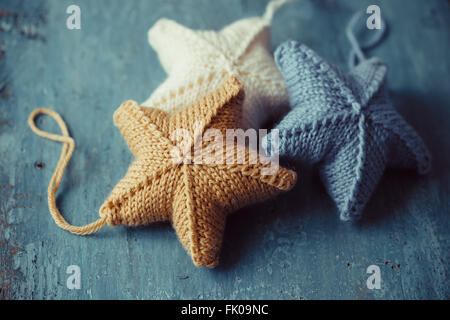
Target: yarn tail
272 7
55 181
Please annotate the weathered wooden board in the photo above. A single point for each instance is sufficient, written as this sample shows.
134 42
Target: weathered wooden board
291 248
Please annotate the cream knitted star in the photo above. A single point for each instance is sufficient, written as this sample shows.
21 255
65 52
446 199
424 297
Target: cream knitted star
195 197
197 62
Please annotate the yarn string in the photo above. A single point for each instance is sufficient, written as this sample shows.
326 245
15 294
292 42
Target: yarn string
55 181
356 54
272 7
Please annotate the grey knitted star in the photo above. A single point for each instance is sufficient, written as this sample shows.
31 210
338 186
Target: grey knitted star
344 123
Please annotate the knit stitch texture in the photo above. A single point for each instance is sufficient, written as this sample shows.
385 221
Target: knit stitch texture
196 198
199 61
345 123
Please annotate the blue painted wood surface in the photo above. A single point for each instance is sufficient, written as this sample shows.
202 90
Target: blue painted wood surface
294 247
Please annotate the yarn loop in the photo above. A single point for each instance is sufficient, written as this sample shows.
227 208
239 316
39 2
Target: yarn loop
356 54
55 181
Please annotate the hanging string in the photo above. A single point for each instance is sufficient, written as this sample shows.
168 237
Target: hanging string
356 53
55 181
272 7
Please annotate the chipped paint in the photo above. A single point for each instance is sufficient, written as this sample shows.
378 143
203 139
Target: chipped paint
292 248
9 201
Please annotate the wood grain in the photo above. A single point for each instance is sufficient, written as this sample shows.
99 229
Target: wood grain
291 248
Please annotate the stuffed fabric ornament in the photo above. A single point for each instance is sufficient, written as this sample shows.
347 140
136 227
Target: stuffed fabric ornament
198 61
196 189
344 123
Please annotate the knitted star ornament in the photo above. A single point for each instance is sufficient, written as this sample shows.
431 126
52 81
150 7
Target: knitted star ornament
198 61
345 123
194 188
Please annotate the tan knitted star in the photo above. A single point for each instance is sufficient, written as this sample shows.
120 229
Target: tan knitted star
196 198
198 62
